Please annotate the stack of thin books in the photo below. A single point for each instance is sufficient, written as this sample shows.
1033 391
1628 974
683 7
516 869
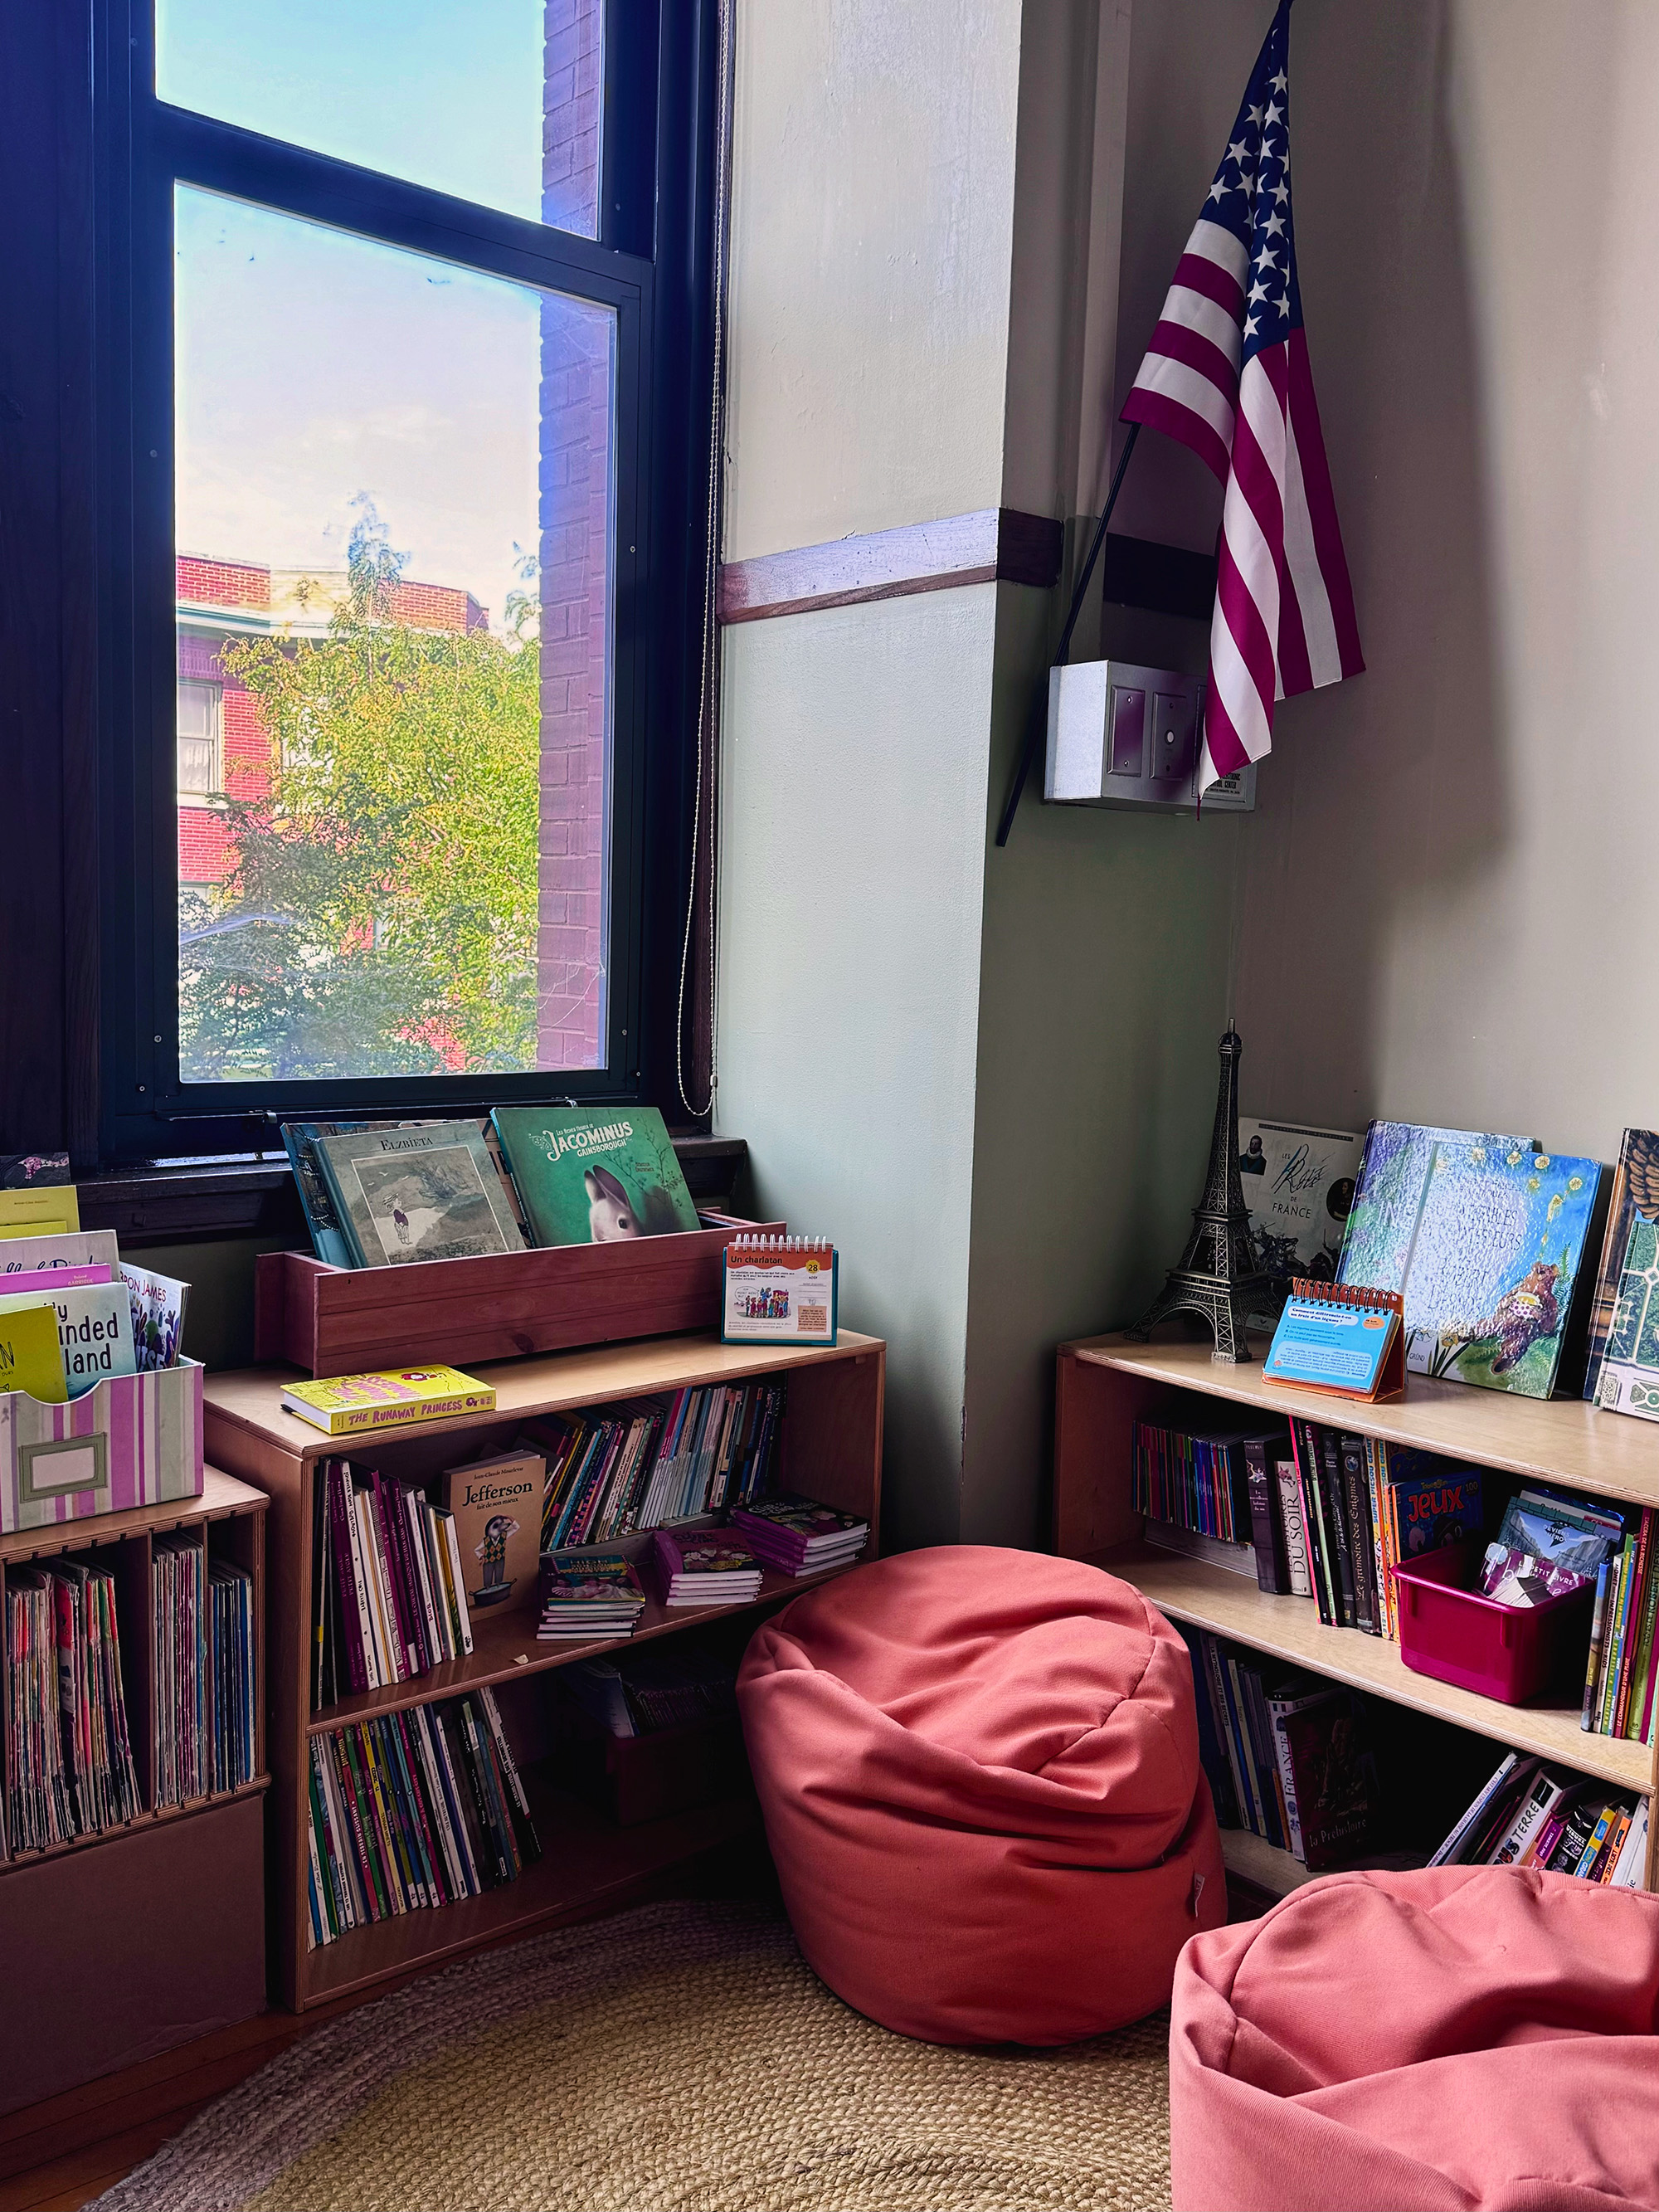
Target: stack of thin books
588 1595
799 1536
705 1566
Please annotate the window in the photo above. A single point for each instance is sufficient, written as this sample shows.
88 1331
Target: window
199 742
401 774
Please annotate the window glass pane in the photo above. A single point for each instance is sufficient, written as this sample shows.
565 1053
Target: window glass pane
495 101
394 513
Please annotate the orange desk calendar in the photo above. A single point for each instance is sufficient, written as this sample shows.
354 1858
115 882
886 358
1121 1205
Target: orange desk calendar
778 1290
1341 1338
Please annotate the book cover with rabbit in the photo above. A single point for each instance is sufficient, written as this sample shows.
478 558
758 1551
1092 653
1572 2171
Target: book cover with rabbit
594 1174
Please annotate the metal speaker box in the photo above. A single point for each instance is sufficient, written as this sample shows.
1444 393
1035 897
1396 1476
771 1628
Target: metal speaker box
1120 735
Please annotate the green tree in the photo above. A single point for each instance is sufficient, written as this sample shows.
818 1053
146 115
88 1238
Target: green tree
380 915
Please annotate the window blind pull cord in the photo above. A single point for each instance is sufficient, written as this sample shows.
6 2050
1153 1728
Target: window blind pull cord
708 689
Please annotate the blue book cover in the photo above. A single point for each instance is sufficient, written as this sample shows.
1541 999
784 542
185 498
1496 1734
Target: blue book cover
1484 1239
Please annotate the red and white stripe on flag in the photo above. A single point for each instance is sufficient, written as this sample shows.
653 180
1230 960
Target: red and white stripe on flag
1283 616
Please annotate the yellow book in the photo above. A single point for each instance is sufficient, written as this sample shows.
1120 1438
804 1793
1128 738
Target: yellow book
50 1209
348 1404
28 1361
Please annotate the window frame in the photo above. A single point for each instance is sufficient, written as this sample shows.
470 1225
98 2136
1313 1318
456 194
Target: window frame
655 241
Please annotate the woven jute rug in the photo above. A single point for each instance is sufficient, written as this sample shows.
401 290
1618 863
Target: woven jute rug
681 2058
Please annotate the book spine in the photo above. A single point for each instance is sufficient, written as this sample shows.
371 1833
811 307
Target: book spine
1641 1731
449 1783
1598 1633
1352 1454
469 1796
401 1586
348 1610
1287 1768
1211 1758
1305 1446
1373 1451
1262 1757
360 1824
1631 1872
1256 1812
1593 1849
387 1642
1215 1674
321 1547
1613 1641
457 1582
434 1613
502 1867
519 1802
1536 1806
1336 1520
1613 1846
1272 1570
1295 1536
1633 1635
406 1750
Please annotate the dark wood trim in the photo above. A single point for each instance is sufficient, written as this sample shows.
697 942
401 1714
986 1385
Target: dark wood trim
1000 544
159 1204
1168 580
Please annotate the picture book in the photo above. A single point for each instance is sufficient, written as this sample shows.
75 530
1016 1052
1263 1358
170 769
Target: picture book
349 1405
24 1281
1298 1185
158 1304
588 1594
407 1194
1484 1238
328 1237
84 1247
31 1356
1441 1507
1560 1532
1337 1796
594 1174
496 1507
95 1328
39 1209
704 1566
1635 1190
1629 1373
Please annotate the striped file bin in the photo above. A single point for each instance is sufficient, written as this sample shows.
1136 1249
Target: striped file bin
134 1440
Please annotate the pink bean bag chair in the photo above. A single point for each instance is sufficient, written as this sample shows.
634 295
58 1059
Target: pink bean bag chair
979 1771
1464 2039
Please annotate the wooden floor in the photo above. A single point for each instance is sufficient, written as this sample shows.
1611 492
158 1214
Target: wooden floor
60 2156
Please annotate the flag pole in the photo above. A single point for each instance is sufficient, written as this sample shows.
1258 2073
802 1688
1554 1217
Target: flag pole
1039 706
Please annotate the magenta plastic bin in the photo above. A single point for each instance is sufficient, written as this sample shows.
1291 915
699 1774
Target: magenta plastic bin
1510 1652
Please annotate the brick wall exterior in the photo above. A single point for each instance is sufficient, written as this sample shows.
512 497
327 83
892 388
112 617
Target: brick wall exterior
222 583
576 575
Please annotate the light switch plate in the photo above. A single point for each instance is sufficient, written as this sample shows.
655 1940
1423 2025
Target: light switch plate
1124 736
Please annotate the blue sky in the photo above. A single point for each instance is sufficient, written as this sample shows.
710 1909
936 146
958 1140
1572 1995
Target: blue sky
313 365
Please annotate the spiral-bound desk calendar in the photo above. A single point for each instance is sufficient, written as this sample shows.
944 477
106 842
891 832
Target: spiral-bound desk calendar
778 1290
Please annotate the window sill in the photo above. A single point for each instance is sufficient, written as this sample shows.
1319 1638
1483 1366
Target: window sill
248 1196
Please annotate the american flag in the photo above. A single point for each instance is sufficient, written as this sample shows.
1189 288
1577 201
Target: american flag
1227 374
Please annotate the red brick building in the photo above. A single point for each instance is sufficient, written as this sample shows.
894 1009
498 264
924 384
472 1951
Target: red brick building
223 747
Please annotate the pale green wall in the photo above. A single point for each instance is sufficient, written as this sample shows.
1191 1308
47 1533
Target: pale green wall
1102 994
857 745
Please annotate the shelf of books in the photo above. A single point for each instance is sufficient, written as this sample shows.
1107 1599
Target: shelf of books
435 1589
1182 1475
134 1766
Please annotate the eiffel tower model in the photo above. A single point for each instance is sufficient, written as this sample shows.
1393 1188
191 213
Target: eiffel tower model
1218 1276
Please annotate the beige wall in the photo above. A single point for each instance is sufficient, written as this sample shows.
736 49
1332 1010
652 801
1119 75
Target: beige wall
988 1075
856 749
1480 288
873 180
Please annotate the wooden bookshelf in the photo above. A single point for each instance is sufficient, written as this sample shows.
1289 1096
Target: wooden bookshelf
168 1909
830 1449
1105 1384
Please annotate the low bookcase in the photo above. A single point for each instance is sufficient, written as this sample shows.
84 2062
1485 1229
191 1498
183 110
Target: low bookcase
829 1449
1106 1384
121 1944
